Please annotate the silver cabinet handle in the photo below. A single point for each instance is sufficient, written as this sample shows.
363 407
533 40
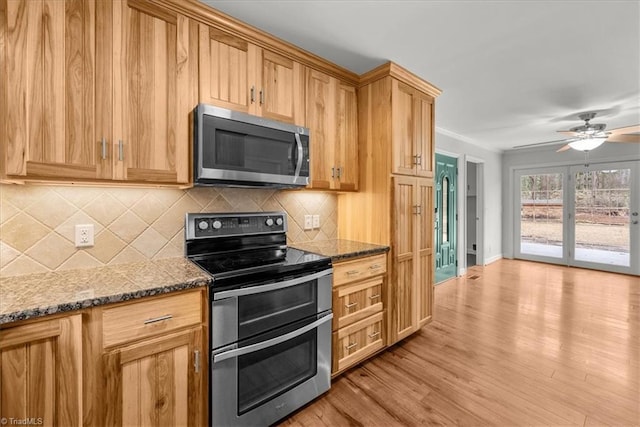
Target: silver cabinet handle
415 209
253 94
196 361
376 296
374 266
373 335
120 150
351 345
352 272
236 352
158 319
333 172
419 156
353 304
339 170
415 159
270 287
261 97
103 143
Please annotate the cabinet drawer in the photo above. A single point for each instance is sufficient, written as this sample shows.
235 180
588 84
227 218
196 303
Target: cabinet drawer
143 319
358 341
355 301
350 271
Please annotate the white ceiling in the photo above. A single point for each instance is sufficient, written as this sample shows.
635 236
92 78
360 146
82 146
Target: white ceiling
511 72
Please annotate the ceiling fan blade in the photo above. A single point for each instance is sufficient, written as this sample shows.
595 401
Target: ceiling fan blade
625 130
624 138
564 148
568 132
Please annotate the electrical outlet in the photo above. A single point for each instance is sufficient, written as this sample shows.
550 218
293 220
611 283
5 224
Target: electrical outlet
308 222
316 221
84 235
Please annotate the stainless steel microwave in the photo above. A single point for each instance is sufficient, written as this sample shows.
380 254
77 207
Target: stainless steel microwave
241 150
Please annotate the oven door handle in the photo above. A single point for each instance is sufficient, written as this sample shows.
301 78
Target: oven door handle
270 343
270 287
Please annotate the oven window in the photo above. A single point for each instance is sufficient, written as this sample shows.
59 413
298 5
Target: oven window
268 310
268 373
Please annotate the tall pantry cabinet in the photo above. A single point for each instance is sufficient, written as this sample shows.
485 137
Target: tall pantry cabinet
395 203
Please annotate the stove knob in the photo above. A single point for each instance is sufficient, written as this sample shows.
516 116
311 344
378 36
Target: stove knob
216 224
279 221
269 222
203 225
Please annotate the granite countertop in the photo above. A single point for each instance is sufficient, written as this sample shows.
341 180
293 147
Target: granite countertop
340 250
35 295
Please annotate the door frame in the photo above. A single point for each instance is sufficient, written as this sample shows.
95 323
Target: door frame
479 211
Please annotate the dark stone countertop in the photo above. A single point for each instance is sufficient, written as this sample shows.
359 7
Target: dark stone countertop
36 295
341 250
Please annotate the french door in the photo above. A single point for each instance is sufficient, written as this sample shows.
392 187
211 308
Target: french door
584 216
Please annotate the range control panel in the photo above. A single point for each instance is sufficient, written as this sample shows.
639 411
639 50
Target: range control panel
204 225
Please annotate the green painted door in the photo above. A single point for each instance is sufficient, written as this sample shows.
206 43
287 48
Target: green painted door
446 217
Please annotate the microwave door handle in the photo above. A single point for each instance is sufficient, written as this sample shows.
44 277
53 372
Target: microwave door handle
270 287
270 343
300 154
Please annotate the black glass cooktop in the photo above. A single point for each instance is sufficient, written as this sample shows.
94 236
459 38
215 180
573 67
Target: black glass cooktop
260 265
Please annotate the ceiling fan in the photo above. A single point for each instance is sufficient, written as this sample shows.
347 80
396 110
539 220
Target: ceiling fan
588 136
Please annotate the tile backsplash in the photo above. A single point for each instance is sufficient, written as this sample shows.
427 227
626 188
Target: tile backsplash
37 223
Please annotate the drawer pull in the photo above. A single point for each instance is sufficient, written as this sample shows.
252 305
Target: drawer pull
372 297
375 266
352 272
158 319
350 346
353 304
375 334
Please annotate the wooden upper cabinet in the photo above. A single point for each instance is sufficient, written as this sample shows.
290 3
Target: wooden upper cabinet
240 76
154 79
58 96
412 131
332 119
41 371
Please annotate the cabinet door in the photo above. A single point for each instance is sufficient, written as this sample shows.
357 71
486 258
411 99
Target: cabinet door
156 382
57 88
402 286
321 101
227 71
346 141
423 112
154 69
424 253
281 94
41 371
404 129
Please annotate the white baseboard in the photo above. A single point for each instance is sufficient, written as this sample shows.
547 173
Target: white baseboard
462 272
492 259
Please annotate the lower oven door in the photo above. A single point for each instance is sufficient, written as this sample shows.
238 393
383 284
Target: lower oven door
238 314
258 382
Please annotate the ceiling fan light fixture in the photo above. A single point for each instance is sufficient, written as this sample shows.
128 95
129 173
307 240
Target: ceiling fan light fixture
587 144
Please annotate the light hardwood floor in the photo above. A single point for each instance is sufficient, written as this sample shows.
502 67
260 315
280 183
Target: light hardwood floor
522 343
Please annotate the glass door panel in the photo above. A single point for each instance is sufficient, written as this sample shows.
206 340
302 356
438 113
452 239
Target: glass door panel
604 225
541 214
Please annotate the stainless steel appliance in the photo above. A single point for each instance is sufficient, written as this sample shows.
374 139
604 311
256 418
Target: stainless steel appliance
237 149
270 316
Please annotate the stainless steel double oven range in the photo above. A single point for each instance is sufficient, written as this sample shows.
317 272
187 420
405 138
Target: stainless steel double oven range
270 314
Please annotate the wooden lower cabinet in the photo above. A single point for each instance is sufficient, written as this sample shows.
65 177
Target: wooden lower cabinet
41 372
356 342
156 382
359 294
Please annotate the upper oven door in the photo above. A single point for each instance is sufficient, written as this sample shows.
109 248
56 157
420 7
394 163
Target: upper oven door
239 148
241 313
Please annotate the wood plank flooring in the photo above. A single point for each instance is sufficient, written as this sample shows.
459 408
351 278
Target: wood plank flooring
522 344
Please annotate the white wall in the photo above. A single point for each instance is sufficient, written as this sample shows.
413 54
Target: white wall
545 157
492 210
